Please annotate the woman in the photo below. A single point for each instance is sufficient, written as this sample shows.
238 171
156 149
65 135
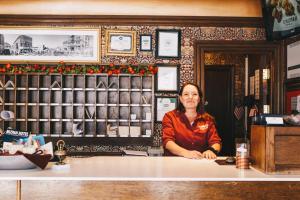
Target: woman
188 131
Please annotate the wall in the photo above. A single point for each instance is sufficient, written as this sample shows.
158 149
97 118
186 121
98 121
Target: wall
190 33
235 8
189 36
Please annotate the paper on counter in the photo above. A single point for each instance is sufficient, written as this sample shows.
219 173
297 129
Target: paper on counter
135 153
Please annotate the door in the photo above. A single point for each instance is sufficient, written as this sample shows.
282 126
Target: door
219 95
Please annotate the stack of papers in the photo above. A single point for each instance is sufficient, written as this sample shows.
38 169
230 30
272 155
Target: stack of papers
135 153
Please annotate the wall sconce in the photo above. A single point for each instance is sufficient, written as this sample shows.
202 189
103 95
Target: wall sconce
266 74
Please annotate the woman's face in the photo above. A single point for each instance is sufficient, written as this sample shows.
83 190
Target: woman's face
190 97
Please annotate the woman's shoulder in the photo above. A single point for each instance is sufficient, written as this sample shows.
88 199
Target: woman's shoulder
173 113
170 116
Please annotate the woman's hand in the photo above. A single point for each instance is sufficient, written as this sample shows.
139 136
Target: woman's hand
209 154
192 154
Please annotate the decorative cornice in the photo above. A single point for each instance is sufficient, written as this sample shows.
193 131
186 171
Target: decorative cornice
130 20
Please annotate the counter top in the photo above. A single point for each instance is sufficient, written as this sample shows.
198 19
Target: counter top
137 168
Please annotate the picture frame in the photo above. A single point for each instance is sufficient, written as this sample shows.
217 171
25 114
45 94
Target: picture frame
120 42
146 42
164 104
292 49
49 44
168 43
167 78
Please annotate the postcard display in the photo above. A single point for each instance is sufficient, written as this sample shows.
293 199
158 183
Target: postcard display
76 105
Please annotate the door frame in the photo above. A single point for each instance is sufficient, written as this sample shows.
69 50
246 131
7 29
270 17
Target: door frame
277 69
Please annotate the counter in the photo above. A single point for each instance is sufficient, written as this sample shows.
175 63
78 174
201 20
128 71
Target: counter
135 168
275 149
124 177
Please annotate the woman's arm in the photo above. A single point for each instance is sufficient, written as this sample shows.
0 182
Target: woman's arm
180 151
217 147
214 142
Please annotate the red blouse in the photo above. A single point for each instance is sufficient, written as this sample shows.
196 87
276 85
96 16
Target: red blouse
197 136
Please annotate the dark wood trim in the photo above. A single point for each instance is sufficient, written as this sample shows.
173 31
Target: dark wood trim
246 47
130 20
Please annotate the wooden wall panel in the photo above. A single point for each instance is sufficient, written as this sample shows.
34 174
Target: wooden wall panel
258 147
146 190
286 150
235 8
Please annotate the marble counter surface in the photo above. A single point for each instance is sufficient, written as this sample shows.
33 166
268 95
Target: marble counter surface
137 168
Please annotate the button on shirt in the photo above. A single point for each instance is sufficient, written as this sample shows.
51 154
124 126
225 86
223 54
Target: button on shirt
199 135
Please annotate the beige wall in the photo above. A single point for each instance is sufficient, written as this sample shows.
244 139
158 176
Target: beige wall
235 8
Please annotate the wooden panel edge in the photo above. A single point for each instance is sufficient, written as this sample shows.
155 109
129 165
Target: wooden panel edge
131 20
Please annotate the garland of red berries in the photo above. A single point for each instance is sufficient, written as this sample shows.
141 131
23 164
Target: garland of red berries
63 68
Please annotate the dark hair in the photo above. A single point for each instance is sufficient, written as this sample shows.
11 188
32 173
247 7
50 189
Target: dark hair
200 106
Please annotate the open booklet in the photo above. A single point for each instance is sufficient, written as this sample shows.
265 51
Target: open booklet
135 153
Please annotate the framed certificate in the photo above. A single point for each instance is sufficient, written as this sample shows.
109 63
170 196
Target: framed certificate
164 104
168 43
167 78
120 43
145 42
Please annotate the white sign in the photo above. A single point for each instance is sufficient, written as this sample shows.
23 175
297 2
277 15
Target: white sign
293 60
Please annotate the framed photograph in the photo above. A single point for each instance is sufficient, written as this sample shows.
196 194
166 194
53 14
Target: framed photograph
145 42
168 43
167 78
120 43
49 44
164 104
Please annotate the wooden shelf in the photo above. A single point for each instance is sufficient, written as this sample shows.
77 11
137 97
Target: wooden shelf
51 104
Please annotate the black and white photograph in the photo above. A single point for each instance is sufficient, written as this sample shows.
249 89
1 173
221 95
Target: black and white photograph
41 44
168 44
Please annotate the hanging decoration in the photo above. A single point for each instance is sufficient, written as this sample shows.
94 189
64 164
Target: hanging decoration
64 68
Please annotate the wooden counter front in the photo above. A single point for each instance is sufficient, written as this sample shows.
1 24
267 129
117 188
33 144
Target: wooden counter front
275 150
147 178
